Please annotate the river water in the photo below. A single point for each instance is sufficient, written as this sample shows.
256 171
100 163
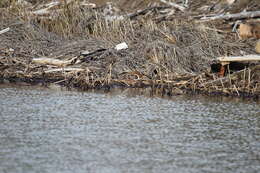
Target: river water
55 131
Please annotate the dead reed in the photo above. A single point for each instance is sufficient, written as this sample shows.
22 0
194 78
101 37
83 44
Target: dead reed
174 55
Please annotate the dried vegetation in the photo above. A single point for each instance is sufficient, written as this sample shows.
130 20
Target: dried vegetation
168 49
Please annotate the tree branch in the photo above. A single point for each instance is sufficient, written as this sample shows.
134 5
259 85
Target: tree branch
242 15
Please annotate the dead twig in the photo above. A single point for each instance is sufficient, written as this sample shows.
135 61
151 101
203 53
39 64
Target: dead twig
4 30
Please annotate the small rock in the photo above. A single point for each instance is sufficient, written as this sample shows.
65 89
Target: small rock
11 50
121 46
86 52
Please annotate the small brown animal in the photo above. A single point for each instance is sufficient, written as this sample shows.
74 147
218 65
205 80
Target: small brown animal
249 30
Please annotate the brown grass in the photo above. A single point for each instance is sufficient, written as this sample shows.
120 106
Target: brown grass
171 54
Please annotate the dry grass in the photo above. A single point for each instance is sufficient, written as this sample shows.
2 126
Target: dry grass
160 54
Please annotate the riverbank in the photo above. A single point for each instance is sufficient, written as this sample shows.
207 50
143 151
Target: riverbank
167 49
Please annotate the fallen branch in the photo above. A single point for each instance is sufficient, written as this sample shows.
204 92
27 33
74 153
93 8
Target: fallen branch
242 15
239 58
4 30
52 61
179 7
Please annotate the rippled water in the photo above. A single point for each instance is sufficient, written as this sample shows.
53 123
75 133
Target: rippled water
64 131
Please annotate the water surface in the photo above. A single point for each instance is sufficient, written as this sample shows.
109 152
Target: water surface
65 131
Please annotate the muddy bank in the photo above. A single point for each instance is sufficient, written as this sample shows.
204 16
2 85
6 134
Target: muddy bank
167 49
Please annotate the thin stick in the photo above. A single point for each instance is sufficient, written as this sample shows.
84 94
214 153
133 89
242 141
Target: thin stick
63 70
244 77
229 75
4 30
222 83
236 90
249 78
110 74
